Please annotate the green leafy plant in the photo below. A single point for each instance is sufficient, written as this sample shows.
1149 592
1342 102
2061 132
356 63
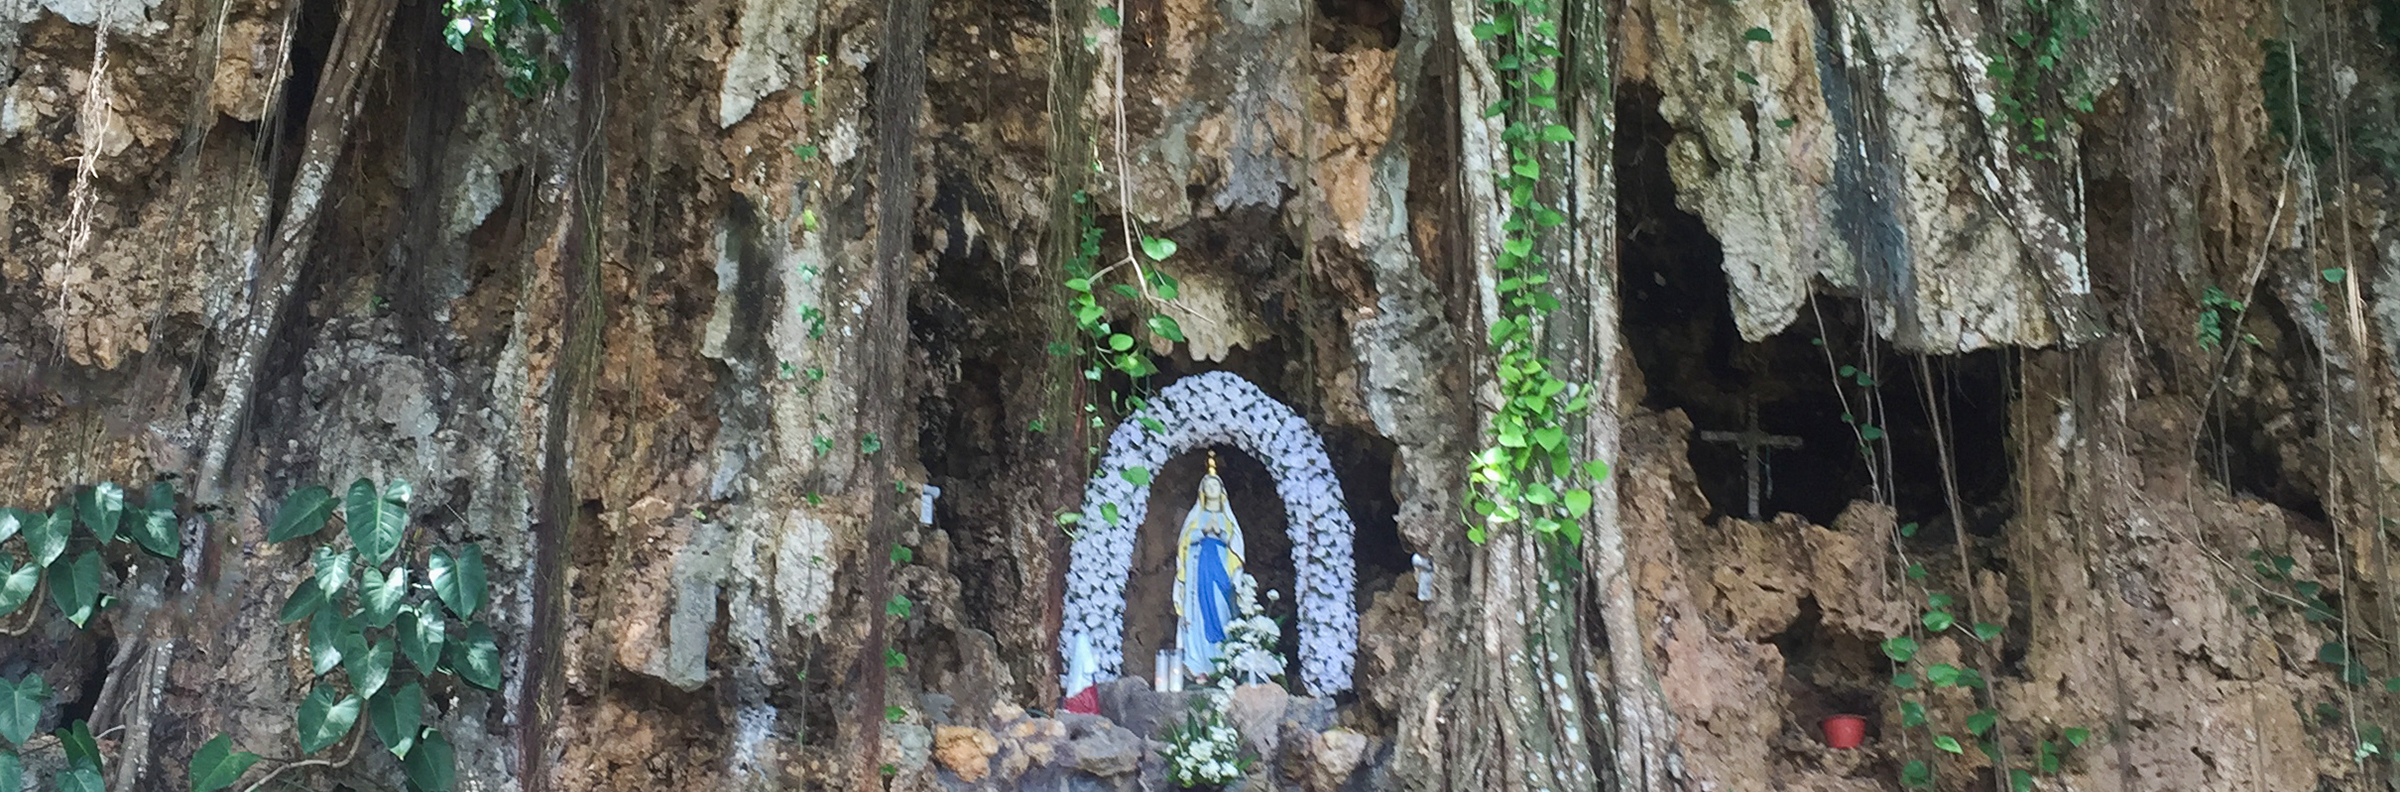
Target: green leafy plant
2217 310
513 31
50 554
2029 68
1531 475
378 635
1106 347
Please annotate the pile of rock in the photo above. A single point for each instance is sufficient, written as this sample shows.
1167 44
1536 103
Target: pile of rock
1294 739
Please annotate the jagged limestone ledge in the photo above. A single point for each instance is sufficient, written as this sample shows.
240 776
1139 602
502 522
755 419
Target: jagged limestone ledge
1856 156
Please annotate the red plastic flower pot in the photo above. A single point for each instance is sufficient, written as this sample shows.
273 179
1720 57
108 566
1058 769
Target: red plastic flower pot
1844 731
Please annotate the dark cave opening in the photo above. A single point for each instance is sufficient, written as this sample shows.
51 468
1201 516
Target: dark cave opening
1829 671
1344 25
1824 388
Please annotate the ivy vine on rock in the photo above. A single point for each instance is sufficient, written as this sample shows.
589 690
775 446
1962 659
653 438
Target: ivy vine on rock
1530 475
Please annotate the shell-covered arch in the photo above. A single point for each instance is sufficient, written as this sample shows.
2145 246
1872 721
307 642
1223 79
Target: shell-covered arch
1218 408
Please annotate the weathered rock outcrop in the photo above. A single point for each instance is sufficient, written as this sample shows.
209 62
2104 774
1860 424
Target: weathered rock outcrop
676 342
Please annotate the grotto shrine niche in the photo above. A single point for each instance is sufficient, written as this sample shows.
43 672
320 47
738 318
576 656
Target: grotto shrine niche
1193 413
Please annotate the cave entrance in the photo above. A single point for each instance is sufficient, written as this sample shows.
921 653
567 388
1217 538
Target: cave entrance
1851 417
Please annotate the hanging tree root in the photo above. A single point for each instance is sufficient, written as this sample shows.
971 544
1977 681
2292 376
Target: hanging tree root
356 43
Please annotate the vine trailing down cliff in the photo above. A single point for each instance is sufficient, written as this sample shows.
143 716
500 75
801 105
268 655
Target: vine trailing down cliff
721 384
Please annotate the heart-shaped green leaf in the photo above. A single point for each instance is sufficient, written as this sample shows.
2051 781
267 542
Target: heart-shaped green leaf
325 633
12 772
380 595
77 743
1912 714
215 766
21 707
333 571
477 657
1579 502
14 520
396 716
1140 476
1981 722
81 779
1942 674
1164 326
1986 631
1938 621
157 532
2076 735
303 603
369 666
303 514
18 587
1758 34
432 767
376 521
46 539
75 588
1157 248
1948 743
458 579
325 717
421 640
1900 648
103 508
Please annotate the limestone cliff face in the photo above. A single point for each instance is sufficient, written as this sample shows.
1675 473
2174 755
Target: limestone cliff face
627 334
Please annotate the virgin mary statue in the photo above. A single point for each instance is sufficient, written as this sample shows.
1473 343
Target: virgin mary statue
1207 559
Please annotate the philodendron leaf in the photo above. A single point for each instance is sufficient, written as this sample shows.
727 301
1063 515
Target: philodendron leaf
157 532
102 507
18 587
333 571
325 631
369 667
1948 743
458 579
75 587
476 657
12 772
376 521
325 717
303 514
21 707
47 538
81 749
421 640
396 716
432 766
81 779
14 520
303 603
380 595
215 766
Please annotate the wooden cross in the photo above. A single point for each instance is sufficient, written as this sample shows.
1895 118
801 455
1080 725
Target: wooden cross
1754 443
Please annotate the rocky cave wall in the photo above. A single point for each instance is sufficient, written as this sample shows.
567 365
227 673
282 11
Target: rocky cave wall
707 183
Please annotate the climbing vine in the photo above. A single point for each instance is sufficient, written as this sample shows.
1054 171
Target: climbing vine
512 30
2031 64
1529 475
1099 346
